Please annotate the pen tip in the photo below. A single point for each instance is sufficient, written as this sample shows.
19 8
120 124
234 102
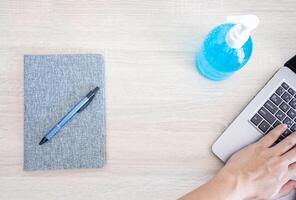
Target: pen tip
43 141
96 89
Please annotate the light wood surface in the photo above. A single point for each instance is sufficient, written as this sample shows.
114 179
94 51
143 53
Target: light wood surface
162 116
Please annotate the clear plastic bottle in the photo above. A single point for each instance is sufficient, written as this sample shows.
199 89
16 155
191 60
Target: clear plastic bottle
227 48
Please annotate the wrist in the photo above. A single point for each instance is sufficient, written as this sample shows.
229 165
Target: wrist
231 185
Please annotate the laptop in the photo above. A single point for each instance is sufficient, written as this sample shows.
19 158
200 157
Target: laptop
275 103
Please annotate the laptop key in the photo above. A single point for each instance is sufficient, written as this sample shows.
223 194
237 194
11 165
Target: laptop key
291 91
282 137
267 115
286 133
270 129
270 106
288 121
264 126
276 123
280 115
286 96
293 128
280 91
284 107
279 139
285 85
293 103
276 99
291 113
256 119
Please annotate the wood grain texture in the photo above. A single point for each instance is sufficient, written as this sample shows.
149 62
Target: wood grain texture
162 117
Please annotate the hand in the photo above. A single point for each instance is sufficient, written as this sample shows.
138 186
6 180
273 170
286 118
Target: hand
264 171
259 171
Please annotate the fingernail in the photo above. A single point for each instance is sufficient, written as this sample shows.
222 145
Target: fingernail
285 126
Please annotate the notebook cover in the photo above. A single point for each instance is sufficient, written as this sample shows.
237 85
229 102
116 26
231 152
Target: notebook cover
53 84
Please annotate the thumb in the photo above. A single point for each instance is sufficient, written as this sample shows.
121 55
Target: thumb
286 188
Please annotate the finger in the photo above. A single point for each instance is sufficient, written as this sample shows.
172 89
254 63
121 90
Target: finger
285 145
272 136
286 189
292 171
290 156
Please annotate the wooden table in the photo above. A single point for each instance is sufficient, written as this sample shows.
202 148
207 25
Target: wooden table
162 116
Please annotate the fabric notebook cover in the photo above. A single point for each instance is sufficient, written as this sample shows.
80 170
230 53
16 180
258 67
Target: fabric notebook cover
53 84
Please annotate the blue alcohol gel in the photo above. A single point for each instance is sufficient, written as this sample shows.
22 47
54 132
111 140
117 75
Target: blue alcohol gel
216 60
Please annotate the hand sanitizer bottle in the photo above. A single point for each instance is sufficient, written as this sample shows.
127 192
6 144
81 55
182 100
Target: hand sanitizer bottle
227 48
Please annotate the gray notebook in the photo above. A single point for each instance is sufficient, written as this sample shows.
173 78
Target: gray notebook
53 84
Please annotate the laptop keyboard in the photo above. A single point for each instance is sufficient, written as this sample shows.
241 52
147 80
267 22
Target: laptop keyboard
280 108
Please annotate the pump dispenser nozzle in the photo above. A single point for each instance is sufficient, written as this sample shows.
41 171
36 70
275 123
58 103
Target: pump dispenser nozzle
240 32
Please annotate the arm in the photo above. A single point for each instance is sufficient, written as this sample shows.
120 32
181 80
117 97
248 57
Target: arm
259 171
219 188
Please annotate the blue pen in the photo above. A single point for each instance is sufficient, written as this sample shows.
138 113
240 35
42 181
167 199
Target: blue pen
82 104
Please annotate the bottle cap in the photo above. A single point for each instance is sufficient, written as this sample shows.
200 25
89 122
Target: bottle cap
240 32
